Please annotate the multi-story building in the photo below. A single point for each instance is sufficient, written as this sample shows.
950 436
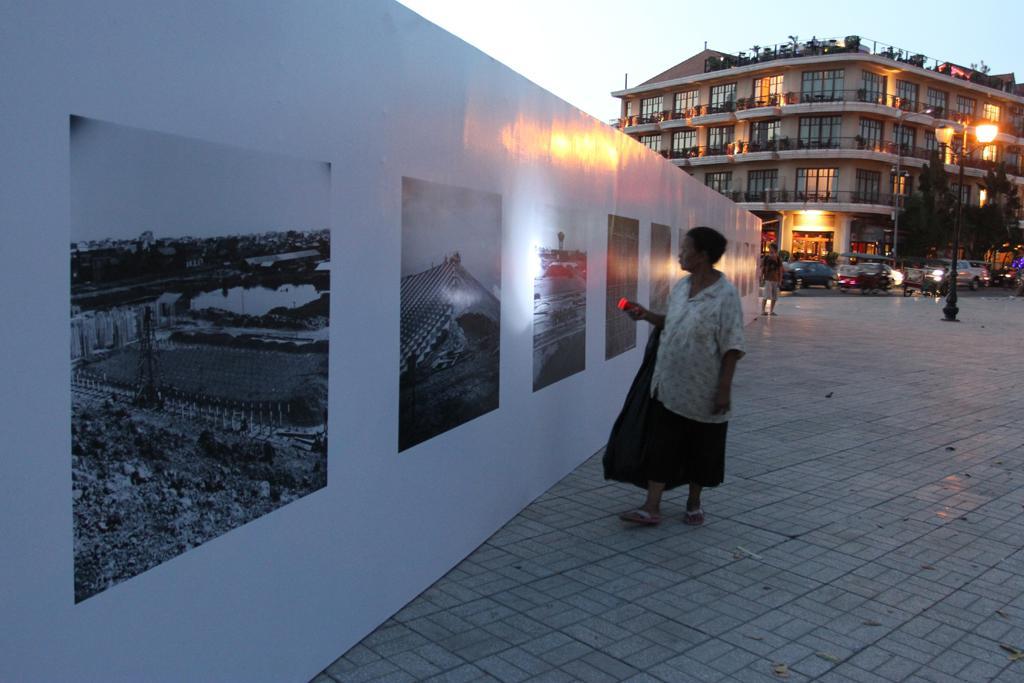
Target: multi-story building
823 139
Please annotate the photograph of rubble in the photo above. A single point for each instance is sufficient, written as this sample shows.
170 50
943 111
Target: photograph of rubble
559 298
450 308
623 256
200 308
663 265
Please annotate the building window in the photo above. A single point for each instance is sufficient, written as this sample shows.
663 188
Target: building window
907 94
720 181
990 153
686 101
822 86
899 183
760 184
872 87
719 137
684 143
938 101
763 134
964 192
819 132
723 98
870 134
816 184
930 143
767 90
650 108
867 188
904 136
965 105
990 112
651 142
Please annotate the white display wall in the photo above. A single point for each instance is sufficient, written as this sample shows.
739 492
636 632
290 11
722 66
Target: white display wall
289 221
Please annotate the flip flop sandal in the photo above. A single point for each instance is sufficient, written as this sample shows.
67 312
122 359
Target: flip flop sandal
640 517
694 517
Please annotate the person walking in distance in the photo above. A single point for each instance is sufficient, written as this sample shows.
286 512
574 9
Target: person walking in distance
701 341
771 279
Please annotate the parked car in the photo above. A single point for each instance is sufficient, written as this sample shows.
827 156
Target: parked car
925 276
813 274
867 277
1004 277
847 276
967 275
874 277
790 281
982 269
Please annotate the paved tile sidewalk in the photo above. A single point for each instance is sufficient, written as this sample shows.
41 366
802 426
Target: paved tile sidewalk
871 528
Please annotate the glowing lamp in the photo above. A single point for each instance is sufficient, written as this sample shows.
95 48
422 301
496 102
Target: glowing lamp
944 134
986 133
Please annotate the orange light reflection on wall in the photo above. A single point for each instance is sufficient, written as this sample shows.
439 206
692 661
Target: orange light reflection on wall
587 145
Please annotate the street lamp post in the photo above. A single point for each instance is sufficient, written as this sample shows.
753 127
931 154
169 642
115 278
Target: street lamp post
984 134
898 187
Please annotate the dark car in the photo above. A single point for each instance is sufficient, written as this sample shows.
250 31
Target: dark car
1004 277
874 277
790 282
812 274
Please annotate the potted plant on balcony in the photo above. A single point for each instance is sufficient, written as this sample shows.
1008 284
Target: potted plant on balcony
852 43
859 141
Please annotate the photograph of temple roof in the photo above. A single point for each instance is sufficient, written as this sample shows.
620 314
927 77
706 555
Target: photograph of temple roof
450 319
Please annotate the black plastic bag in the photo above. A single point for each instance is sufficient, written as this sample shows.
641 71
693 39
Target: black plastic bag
625 453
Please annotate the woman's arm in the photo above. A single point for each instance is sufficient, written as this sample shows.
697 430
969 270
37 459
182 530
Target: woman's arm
638 312
723 396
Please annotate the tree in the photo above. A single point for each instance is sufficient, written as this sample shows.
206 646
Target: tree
929 215
988 227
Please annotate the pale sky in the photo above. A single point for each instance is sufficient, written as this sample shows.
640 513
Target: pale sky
125 181
581 49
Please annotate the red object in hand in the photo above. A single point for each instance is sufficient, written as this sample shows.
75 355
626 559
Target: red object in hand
624 304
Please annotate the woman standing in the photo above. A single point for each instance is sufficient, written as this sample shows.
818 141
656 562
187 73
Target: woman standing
701 341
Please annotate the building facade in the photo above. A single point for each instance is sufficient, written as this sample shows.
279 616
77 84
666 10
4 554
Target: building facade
823 139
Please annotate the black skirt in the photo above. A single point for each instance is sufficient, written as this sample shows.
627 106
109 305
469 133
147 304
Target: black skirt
683 451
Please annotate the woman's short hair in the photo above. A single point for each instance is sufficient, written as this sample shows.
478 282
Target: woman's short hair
708 240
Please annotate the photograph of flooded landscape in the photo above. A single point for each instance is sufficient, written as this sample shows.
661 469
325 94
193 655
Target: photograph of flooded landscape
623 257
200 297
559 298
450 325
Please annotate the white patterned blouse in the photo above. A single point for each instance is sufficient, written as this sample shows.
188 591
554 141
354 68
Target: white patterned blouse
697 334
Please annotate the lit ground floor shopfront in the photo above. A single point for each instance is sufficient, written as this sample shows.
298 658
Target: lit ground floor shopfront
811 234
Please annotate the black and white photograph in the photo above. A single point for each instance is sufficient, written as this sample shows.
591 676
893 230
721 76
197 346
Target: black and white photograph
623 257
450 308
200 308
662 266
559 298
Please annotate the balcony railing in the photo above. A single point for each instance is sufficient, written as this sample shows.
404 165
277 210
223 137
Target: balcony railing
858 95
817 197
827 46
1013 167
